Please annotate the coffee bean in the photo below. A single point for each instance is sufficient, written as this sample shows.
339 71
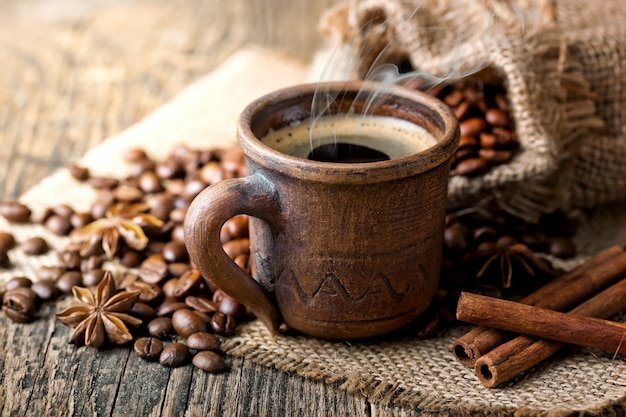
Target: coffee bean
242 261
59 225
51 273
16 282
562 248
142 311
472 127
149 348
45 290
150 183
92 277
104 201
154 269
5 261
148 293
175 252
237 247
186 322
174 355
18 307
131 258
106 183
232 308
161 205
7 241
497 117
223 324
471 167
203 341
78 171
211 173
454 239
71 260
188 283
210 362
135 154
193 188
35 246
177 269
201 304
127 194
92 262
125 279
168 307
160 327
15 212
78 220
68 280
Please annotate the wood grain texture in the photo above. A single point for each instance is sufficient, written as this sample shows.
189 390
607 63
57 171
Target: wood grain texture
74 73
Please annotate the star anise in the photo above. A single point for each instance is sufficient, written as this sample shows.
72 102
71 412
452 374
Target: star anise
125 221
100 316
508 255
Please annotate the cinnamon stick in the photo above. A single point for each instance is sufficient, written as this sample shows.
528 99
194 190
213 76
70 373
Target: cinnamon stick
523 352
536 321
562 293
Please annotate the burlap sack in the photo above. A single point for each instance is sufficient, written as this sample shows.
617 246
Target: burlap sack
562 63
408 372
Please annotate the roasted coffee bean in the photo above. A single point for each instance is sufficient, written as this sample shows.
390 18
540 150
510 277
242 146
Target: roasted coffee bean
186 322
70 259
471 167
78 172
149 348
127 194
92 277
169 287
223 324
59 225
497 117
92 262
161 205
78 220
175 252
135 154
104 201
125 279
177 269
52 273
131 258
562 248
484 234
45 290
242 261
7 241
18 307
472 127
142 311
178 214
106 183
236 247
201 304
15 212
232 307
168 307
150 183
148 293
160 327
174 355
203 341
16 282
193 188
168 169
153 269
68 280
188 283
209 361
178 233
211 173
454 239
35 246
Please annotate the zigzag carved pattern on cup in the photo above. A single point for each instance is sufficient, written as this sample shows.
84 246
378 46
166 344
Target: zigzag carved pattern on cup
332 285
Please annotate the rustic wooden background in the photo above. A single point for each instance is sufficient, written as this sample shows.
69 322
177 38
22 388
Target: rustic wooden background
73 73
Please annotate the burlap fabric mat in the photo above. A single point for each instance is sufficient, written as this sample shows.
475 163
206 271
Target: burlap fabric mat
411 372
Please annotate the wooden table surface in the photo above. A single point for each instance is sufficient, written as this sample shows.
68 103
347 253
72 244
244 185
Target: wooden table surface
74 73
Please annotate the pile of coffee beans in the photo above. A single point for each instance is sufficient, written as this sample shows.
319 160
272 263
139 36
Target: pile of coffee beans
184 316
488 136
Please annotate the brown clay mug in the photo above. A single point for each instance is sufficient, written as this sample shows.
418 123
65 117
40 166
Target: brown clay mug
338 250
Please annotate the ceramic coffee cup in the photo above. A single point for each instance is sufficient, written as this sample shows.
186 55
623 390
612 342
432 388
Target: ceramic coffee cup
345 247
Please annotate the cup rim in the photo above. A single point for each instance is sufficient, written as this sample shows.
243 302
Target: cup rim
336 172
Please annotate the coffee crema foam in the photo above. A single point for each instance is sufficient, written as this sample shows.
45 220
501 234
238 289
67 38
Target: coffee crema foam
393 137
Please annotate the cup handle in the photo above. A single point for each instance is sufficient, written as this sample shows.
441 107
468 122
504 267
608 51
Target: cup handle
253 195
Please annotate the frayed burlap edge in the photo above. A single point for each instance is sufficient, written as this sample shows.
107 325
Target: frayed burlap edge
552 103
